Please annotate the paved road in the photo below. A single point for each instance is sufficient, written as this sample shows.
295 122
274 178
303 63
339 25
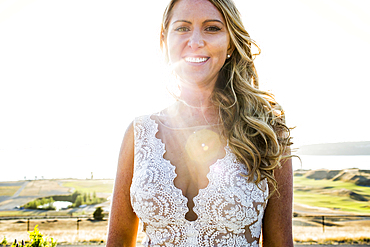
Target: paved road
20 189
10 202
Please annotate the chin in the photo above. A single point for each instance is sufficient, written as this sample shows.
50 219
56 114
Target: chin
194 81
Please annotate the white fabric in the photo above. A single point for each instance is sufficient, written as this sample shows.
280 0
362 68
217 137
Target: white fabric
229 209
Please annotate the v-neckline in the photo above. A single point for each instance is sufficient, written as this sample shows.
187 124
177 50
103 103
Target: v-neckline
208 175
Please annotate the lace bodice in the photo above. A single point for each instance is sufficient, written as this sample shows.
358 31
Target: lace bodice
229 209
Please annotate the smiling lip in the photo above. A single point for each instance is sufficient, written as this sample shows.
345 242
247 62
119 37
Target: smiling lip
196 60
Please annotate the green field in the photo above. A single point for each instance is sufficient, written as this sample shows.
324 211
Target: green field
320 193
324 193
99 186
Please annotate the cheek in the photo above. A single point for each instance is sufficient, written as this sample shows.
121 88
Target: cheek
220 53
220 46
174 48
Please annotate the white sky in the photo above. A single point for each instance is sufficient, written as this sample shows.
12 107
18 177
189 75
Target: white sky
74 74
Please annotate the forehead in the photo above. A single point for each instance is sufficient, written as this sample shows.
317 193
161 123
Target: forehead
195 9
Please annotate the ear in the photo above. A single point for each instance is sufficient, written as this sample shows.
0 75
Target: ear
230 49
164 48
163 36
162 40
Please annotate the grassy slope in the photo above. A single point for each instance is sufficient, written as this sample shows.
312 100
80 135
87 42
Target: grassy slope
8 190
315 196
99 186
44 188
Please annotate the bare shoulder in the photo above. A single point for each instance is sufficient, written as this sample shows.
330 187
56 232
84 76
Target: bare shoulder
127 145
126 155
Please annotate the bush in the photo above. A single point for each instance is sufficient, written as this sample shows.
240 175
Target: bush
4 242
79 201
85 199
98 213
47 204
77 198
37 240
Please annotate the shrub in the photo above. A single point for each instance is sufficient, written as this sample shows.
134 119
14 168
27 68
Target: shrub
77 198
79 201
85 198
47 204
37 240
98 213
4 242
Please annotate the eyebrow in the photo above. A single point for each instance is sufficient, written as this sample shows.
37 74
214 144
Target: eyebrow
206 21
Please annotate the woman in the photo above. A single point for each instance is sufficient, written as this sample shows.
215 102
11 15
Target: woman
203 172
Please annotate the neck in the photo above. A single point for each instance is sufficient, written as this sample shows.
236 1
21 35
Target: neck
196 97
195 107
182 115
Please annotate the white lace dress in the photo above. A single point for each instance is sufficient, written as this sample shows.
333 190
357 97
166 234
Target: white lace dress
229 209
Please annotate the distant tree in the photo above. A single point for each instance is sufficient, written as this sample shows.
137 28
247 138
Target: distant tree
88 201
75 194
79 201
32 204
98 213
43 201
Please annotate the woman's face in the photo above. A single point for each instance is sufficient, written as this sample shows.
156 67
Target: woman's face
197 42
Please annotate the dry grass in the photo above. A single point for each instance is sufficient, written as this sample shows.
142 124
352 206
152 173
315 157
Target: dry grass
104 186
44 188
8 190
65 231
338 232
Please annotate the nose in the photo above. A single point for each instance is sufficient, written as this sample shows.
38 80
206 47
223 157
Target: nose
196 40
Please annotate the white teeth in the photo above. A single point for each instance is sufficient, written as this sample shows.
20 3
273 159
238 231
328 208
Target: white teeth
195 59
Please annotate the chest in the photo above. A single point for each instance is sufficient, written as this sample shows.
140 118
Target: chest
191 152
195 163
226 205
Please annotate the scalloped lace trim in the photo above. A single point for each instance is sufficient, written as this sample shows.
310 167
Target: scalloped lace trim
229 209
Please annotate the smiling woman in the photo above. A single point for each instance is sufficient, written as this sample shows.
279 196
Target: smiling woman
203 171
197 43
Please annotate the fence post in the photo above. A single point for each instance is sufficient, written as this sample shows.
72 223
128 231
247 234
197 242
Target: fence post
323 223
78 226
28 225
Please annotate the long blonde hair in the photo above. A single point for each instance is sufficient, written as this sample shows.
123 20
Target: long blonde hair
252 120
